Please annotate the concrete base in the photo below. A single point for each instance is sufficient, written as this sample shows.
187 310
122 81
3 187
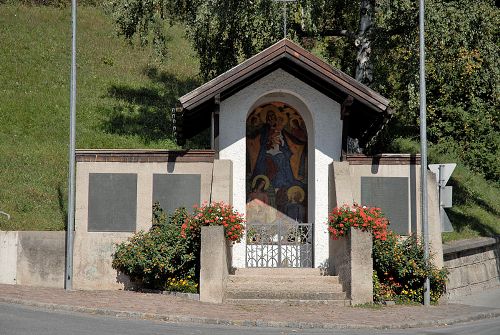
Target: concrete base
351 259
34 258
213 264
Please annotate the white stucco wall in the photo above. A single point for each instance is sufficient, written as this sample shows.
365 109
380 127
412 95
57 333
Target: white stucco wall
324 127
8 257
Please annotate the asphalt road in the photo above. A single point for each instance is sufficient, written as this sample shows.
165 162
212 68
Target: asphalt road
24 320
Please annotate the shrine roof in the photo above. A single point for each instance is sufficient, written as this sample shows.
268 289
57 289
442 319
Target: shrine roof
297 61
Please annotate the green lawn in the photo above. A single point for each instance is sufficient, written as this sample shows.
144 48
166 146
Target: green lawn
124 99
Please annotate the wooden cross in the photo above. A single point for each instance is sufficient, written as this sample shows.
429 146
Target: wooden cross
284 13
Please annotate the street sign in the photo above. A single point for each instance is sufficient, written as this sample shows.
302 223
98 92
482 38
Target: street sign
446 197
447 170
443 173
445 221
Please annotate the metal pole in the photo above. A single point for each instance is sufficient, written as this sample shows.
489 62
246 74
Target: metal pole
284 13
68 284
284 20
441 185
423 152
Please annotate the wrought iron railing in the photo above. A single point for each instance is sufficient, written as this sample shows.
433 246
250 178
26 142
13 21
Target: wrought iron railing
279 245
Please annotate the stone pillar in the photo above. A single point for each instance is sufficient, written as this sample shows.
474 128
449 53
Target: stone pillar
434 220
351 259
213 264
222 181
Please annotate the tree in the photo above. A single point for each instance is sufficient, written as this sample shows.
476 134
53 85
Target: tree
462 70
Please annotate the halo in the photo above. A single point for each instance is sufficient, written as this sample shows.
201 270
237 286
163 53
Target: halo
261 176
293 190
268 108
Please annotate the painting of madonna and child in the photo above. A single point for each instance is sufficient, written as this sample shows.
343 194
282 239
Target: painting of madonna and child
276 173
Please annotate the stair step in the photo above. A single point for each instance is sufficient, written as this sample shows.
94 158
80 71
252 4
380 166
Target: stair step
285 286
284 295
278 279
277 272
291 302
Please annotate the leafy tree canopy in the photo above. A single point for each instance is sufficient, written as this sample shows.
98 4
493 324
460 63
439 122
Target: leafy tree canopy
462 47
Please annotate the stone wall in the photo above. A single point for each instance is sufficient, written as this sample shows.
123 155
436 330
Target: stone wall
213 264
394 179
34 258
474 265
115 191
133 180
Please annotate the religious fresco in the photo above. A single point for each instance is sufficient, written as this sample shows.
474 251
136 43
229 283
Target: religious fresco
276 173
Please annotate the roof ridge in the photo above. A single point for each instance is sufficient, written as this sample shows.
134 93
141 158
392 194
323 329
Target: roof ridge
304 60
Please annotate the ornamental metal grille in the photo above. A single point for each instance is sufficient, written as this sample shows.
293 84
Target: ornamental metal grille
279 245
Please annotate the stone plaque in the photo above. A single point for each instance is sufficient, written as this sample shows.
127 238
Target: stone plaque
176 190
391 195
112 202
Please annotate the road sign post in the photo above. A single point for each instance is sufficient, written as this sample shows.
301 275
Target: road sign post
443 173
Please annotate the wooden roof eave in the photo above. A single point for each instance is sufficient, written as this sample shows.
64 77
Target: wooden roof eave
237 73
351 85
285 49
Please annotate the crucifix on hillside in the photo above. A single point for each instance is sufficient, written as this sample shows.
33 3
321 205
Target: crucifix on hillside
284 13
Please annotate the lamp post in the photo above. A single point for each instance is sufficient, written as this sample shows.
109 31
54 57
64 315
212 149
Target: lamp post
423 151
68 277
285 2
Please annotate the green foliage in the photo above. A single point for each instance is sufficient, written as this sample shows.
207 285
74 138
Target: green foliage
462 75
400 271
160 258
52 3
187 285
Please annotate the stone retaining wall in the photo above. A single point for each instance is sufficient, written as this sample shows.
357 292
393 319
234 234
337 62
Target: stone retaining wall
34 258
474 265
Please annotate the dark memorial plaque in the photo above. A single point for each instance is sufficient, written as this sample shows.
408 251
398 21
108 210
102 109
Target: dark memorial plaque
391 195
112 202
176 190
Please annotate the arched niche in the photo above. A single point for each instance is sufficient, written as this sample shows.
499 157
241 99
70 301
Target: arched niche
277 163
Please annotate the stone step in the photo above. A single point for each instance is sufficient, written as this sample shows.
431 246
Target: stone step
273 279
290 302
283 295
277 272
284 286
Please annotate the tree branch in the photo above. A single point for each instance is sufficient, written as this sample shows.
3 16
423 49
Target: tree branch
324 32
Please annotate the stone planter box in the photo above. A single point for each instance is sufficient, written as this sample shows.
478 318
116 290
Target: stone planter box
351 259
213 264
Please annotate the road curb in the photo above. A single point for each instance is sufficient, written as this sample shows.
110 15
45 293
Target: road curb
249 323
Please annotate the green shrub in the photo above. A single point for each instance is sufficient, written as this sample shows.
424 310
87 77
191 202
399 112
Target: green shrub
157 257
400 271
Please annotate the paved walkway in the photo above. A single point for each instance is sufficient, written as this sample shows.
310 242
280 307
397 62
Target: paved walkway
170 308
